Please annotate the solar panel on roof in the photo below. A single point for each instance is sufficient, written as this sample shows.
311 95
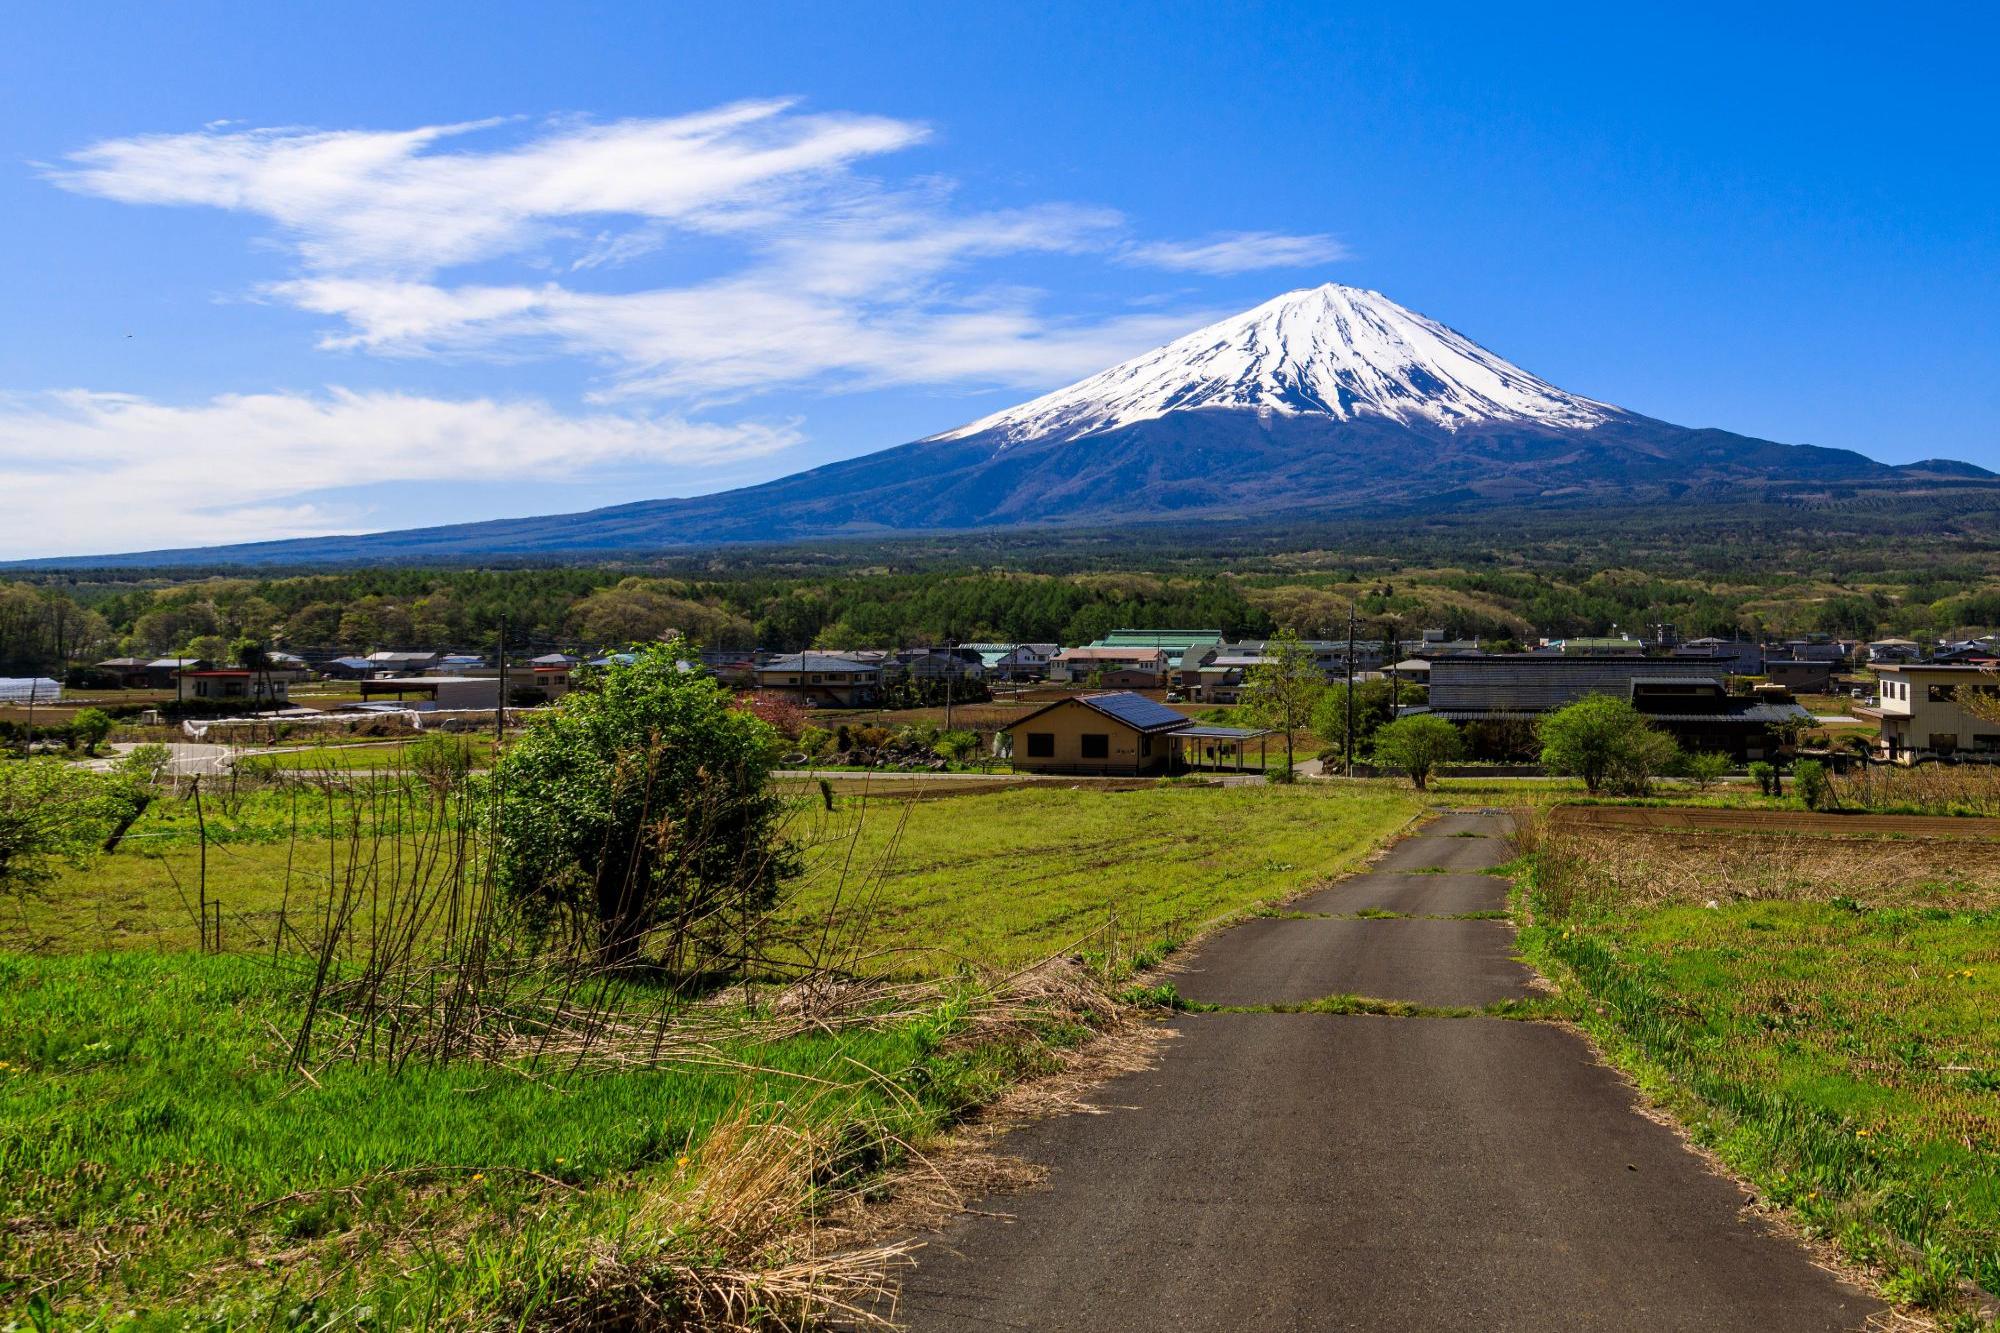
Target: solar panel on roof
1136 710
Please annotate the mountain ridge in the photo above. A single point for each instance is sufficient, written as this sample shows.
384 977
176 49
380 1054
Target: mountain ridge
1327 399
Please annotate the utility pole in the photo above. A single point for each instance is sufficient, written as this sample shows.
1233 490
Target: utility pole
950 673
1350 690
500 704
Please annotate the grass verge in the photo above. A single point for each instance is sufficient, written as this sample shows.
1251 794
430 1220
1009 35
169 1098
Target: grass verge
1829 1036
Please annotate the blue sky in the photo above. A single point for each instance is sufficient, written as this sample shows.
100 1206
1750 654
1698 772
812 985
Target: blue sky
282 270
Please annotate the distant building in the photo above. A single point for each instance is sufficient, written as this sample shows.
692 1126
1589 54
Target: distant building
163 672
1172 641
1919 708
1015 661
1132 668
393 661
1497 700
423 693
125 673
1736 657
1894 650
1800 675
349 668
827 679
229 685
1594 646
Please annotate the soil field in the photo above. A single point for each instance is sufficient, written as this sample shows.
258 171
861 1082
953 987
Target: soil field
1773 821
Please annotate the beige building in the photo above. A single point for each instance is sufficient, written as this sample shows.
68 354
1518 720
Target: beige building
826 679
1922 718
1120 734
230 685
1127 668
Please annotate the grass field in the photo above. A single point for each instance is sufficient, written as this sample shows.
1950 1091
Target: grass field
1008 877
161 1163
166 1162
1819 1011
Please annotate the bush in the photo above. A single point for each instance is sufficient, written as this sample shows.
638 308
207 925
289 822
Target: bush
645 806
89 728
813 741
957 745
1705 768
1815 788
1606 742
1418 745
1766 777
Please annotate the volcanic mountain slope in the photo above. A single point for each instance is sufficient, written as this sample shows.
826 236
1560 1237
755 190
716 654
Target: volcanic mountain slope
1324 401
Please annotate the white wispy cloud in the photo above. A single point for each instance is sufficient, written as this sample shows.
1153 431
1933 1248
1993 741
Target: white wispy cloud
830 276
1238 252
99 472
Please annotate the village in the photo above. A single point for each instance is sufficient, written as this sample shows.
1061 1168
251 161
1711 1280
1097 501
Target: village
1134 702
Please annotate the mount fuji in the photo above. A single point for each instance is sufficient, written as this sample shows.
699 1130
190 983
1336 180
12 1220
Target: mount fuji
1329 401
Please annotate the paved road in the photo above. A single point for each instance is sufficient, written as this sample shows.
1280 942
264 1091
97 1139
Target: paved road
1308 1172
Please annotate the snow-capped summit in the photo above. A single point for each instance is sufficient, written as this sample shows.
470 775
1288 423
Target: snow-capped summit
1334 351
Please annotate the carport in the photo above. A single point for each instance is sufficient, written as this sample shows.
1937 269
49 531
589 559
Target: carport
1201 746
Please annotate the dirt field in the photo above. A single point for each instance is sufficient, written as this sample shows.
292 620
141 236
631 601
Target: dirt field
1774 821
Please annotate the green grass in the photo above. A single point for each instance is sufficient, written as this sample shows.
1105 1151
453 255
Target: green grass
1005 878
170 1166
1843 1056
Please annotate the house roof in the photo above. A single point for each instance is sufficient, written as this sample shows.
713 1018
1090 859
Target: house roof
1177 639
1203 731
1133 710
1747 712
1098 652
821 662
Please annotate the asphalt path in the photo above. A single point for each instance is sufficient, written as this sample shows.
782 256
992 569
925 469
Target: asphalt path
1299 1171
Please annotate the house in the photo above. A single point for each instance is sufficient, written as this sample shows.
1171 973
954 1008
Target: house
1799 674
125 673
1922 717
963 663
1015 661
457 664
348 668
1138 668
408 662
828 679
1497 700
553 679
1734 657
554 660
288 667
1118 734
1894 650
230 685
1411 671
162 672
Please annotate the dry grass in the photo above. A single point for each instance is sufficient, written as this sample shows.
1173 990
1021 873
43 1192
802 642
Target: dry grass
1939 789
1642 868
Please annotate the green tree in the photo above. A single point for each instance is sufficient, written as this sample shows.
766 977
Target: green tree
1281 690
1373 706
50 813
1605 741
90 726
1418 745
642 812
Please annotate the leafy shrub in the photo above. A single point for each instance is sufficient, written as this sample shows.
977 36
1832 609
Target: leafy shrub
1606 742
1418 745
89 728
1705 768
1815 788
1766 776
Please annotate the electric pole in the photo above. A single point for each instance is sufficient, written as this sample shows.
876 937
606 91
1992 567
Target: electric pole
500 704
1350 690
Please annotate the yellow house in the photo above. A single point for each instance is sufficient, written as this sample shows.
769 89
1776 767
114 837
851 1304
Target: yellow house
1119 734
1922 718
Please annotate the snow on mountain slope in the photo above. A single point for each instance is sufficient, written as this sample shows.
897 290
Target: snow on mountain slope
1332 350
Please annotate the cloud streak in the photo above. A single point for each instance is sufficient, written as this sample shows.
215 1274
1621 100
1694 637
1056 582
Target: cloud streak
831 278
100 472
1238 252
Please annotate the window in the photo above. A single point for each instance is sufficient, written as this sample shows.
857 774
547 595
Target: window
1146 745
1944 742
1096 745
1041 745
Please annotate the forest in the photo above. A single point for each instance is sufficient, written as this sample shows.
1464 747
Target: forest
1755 570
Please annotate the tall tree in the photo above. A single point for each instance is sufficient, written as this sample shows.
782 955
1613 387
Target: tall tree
1281 690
